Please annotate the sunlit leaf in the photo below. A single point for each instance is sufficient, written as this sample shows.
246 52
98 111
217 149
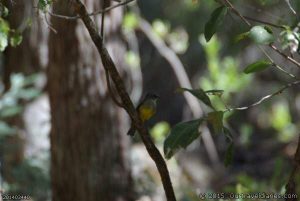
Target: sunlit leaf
214 22
161 28
181 136
241 36
200 94
215 119
16 39
130 21
4 30
132 59
257 66
159 131
261 35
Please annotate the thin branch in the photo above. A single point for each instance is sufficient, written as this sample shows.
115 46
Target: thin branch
291 7
49 24
227 2
284 71
117 102
108 64
276 65
264 22
284 55
265 98
91 14
236 12
183 80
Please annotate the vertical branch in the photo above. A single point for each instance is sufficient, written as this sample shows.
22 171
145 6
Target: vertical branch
128 105
291 185
105 4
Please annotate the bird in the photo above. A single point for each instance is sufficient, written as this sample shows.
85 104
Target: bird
146 109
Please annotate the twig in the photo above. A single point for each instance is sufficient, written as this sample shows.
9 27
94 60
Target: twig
236 12
184 81
291 7
264 22
128 105
276 65
284 55
227 2
265 98
90 14
49 25
118 103
245 19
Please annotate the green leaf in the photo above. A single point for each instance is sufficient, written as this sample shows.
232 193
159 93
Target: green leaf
10 111
229 155
4 30
16 39
200 94
241 36
5 129
257 66
214 22
215 119
3 41
181 136
261 35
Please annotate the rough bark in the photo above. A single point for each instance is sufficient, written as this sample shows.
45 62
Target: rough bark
88 144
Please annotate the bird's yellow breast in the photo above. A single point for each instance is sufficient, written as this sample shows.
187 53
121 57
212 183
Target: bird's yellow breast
146 113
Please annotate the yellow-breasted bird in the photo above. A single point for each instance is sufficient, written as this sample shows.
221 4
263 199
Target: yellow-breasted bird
146 109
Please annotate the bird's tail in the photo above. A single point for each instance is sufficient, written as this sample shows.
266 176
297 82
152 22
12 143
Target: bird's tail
131 131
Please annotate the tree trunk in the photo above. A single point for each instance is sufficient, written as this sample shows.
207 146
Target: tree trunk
26 58
88 139
31 54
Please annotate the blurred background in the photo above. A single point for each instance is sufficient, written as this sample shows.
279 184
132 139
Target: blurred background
56 113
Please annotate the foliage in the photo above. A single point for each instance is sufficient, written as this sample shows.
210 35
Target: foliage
159 131
223 74
30 179
44 4
257 66
214 22
181 136
261 35
7 34
21 89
